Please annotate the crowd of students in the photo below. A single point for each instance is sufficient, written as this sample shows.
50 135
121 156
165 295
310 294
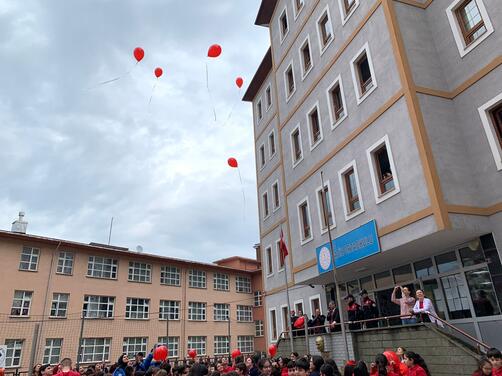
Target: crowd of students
389 363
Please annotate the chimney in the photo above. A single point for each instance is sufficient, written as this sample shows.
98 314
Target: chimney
20 224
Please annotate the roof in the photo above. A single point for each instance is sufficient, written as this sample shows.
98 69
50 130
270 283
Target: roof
122 251
258 78
265 12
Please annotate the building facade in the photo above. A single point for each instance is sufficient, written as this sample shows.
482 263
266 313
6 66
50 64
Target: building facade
131 301
399 104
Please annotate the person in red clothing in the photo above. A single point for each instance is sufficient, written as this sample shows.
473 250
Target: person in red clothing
416 365
66 368
495 357
484 368
381 367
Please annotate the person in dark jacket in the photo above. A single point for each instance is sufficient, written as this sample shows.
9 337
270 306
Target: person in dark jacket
369 308
333 317
316 362
353 312
121 365
317 322
293 317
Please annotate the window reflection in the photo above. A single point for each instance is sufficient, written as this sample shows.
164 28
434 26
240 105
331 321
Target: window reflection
423 268
472 254
482 292
457 297
402 274
447 262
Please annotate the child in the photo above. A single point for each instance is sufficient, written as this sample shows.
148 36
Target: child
416 365
495 357
484 368
301 367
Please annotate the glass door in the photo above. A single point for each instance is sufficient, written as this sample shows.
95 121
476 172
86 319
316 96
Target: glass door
433 292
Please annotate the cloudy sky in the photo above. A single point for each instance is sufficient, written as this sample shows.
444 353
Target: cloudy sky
73 155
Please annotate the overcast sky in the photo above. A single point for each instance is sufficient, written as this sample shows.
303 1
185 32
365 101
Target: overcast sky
73 155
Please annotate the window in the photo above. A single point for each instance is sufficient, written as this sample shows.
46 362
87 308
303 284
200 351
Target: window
258 298
132 345
298 6
349 185
14 352
258 327
221 312
270 266
299 307
169 275
245 344
285 318
266 210
221 345
363 74
198 343
306 57
314 122
470 24
52 350
271 143
169 309
324 30
262 156
383 279
275 196
29 259
65 263
21 303
196 311
491 117
259 110
59 305
289 79
197 279
402 274
137 308
304 221
273 325
482 291
221 282
173 345
102 267
283 24
382 170
347 8
95 350
457 298
280 257
140 272
296 146
244 313
243 284
336 101
423 268
99 306
325 206
315 303
447 262
367 283
268 97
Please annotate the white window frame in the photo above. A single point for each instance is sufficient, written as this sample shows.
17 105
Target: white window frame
295 305
296 162
489 129
259 328
259 110
457 32
288 95
270 154
95 357
309 125
341 177
221 311
262 158
322 48
245 344
296 12
244 313
170 275
221 345
171 308
319 207
59 303
52 350
98 313
197 279
284 320
337 82
23 300
132 345
266 213
197 311
355 75
373 169
344 14
258 298
243 284
65 258
270 266
93 260
34 257
304 241
275 208
198 343
272 336
173 345
269 104
135 270
13 346
285 34
311 299
221 282
278 252
143 303
305 72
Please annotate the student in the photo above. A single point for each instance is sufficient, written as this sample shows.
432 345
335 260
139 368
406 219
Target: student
361 369
121 365
265 367
316 362
291 368
348 370
241 369
381 367
400 353
416 365
294 356
406 303
301 367
484 368
332 363
326 370
495 358
66 368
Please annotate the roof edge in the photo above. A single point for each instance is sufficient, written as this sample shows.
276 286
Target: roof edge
259 77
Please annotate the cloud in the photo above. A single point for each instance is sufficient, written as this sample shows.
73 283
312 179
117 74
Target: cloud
74 155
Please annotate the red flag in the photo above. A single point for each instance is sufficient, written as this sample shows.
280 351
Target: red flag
283 248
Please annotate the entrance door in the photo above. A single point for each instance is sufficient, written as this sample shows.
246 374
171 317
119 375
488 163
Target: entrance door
386 307
433 292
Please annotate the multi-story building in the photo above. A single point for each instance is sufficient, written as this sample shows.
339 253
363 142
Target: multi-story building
399 104
130 300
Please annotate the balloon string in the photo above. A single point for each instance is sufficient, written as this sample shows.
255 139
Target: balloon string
151 96
243 194
209 92
232 109
114 79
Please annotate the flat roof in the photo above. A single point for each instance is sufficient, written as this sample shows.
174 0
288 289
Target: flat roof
122 251
265 12
262 72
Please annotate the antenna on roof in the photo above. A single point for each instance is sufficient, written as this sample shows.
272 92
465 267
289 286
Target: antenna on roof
110 233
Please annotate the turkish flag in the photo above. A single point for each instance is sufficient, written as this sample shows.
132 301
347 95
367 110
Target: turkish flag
282 247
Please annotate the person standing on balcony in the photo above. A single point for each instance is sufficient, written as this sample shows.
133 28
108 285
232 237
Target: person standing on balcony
422 306
370 310
333 317
353 312
317 323
405 302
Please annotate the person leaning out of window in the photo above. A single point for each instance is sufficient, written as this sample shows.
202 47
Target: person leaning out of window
406 303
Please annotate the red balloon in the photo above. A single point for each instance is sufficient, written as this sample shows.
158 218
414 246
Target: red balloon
299 322
158 72
239 81
393 357
192 353
160 353
232 162
236 353
214 50
139 54
272 350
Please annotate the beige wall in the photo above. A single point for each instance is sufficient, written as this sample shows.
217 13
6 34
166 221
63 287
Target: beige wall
45 282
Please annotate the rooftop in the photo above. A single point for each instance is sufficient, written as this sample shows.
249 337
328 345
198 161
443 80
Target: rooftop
258 78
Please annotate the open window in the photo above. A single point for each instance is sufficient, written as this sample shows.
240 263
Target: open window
305 222
363 74
296 146
347 8
306 58
325 30
325 207
351 191
289 81
315 129
284 24
336 101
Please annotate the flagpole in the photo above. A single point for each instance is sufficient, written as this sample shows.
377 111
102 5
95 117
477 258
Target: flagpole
324 202
290 326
